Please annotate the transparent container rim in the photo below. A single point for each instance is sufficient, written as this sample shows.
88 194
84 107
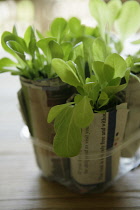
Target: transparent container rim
95 156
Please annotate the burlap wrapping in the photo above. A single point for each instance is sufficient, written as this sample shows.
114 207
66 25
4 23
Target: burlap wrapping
133 122
36 99
98 162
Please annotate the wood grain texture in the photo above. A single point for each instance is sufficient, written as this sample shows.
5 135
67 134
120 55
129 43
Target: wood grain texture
23 187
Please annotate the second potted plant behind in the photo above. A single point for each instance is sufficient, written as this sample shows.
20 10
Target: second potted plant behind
41 87
117 14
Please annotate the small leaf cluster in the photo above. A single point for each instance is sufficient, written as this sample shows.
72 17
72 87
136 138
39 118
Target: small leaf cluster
71 30
33 53
27 60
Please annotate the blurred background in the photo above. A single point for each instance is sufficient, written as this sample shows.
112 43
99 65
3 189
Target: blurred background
40 13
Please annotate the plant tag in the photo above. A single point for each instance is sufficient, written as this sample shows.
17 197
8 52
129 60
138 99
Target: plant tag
83 169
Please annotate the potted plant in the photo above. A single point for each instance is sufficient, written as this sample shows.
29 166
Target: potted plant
73 78
93 122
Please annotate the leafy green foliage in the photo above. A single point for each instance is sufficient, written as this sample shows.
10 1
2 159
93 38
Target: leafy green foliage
82 57
103 99
100 50
117 63
16 47
99 11
114 8
133 63
56 110
129 61
29 35
6 65
83 113
58 28
127 22
67 48
65 72
76 29
124 18
95 94
34 53
26 53
67 142
72 31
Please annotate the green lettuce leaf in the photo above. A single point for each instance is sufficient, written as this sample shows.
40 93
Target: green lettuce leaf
83 113
67 142
65 72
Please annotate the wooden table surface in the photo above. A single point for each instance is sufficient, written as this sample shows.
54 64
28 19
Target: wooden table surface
21 184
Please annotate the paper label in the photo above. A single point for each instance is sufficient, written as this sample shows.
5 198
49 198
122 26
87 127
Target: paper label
84 170
105 132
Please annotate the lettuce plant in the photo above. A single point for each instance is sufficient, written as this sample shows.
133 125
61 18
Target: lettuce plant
96 93
33 54
27 60
72 31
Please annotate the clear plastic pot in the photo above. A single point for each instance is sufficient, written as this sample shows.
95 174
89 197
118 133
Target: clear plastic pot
99 163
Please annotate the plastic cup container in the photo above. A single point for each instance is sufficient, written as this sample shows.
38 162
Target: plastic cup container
84 173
